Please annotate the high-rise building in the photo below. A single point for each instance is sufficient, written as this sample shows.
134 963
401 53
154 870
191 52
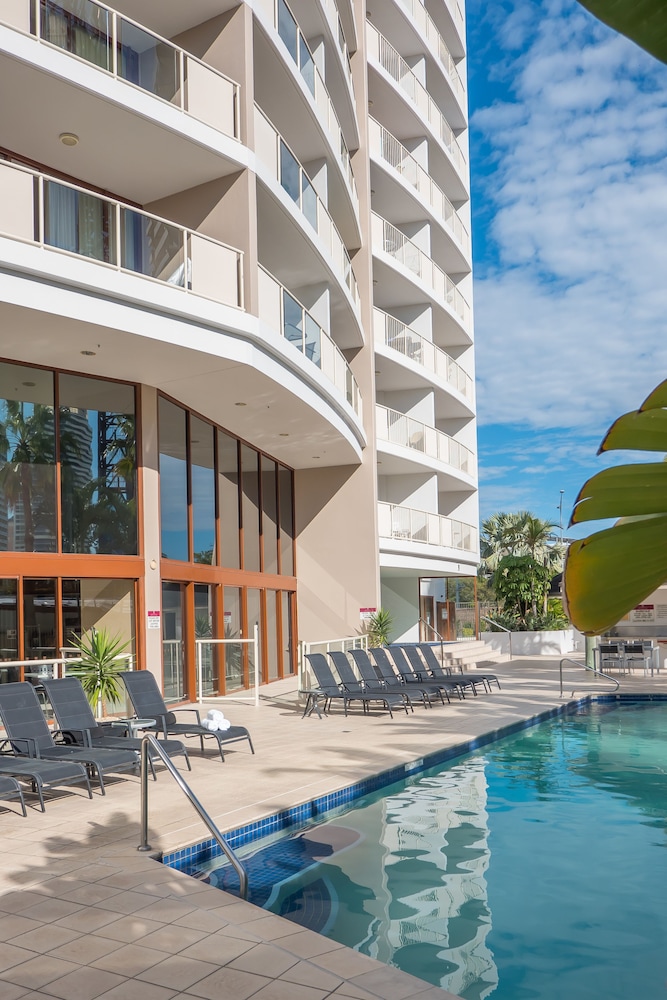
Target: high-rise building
235 245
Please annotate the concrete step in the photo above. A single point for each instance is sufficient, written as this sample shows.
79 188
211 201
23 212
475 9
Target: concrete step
472 654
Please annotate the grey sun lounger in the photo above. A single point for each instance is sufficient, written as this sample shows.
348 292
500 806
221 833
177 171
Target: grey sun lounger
391 682
390 699
44 774
75 718
388 669
434 665
458 684
148 703
30 736
10 789
329 686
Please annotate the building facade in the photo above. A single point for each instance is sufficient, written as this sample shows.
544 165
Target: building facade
236 374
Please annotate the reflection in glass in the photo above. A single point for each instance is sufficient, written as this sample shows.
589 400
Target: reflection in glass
152 247
290 173
286 494
9 635
228 491
203 491
272 633
270 515
102 604
204 629
254 613
27 460
39 619
147 61
78 26
292 320
286 599
287 29
306 65
173 481
173 660
79 222
250 508
233 655
98 456
313 341
308 201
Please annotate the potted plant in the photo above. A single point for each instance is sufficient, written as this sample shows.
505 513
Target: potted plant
98 666
379 627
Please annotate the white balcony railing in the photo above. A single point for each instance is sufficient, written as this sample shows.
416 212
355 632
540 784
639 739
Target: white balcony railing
388 239
427 27
284 313
395 65
398 428
408 524
337 27
391 332
113 43
288 28
57 216
283 165
384 145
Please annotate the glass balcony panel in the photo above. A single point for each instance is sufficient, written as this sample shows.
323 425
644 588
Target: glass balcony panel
288 31
309 201
78 222
147 61
153 248
292 321
290 173
313 341
80 27
306 65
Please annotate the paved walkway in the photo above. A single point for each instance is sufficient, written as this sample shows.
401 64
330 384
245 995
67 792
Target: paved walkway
84 915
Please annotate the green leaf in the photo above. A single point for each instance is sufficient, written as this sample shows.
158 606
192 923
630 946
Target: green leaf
641 429
612 571
657 398
621 491
644 21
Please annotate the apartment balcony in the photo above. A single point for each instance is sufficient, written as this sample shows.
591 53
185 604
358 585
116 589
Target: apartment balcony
417 188
423 445
88 70
283 312
397 524
396 71
439 369
392 247
284 172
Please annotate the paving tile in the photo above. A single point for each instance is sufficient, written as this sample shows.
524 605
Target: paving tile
165 910
48 910
355 992
228 983
129 960
16 902
11 955
203 920
346 963
224 948
308 944
390 983
11 927
86 984
268 926
91 893
265 960
129 928
280 990
178 972
124 902
45 938
307 974
86 948
173 938
10 991
39 971
88 919
143 991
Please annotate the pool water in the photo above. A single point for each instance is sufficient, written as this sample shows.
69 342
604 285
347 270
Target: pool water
534 869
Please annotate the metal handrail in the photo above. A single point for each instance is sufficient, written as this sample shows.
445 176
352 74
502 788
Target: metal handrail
148 739
502 628
582 663
441 638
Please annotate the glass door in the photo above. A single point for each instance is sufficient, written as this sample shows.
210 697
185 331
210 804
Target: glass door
173 650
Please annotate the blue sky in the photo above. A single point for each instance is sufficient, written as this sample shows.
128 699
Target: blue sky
568 136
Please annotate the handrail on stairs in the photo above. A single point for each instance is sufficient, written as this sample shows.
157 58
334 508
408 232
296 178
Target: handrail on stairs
441 638
502 628
582 663
149 740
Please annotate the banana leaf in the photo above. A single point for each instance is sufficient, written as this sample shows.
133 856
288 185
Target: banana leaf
644 21
622 491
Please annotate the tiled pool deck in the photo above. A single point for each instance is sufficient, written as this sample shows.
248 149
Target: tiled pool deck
84 915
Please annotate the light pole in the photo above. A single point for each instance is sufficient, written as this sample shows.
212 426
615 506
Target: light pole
560 517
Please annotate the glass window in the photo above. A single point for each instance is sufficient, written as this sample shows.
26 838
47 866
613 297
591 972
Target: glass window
292 320
250 507
39 619
270 515
313 341
9 634
104 604
205 629
98 456
254 617
309 201
306 65
173 481
203 491
287 29
290 172
173 659
286 601
78 26
228 487
286 522
272 634
147 61
79 222
233 653
27 460
152 247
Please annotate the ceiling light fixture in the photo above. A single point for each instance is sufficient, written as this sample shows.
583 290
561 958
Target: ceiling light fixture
89 354
29 385
240 404
69 138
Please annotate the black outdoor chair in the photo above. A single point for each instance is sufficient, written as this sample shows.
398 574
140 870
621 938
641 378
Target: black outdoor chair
148 703
10 789
370 675
385 666
329 687
436 668
375 691
438 676
44 774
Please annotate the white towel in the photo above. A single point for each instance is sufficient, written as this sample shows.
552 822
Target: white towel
216 722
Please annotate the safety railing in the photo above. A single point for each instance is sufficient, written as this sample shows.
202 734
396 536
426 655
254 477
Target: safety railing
231 655
277 156
395 334
324 646
425 24
283 312
501 628
396 66
390 240
398 428
411 525
338 33
385 145
63 217
582 663
125 49
149 741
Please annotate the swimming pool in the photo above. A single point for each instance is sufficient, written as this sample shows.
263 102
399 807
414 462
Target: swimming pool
535 867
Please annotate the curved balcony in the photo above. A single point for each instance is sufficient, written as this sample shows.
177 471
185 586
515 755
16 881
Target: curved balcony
333 16
410 525
426 26
126 50
67 219
397 68
284 22
411 345
390 240
406 432
386 147
284 313
284 167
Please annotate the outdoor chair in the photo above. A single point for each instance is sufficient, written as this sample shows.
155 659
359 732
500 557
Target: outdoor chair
375 691
148 703
418 666
30 736
44 774
419 674
76 720
637 653
610 656
436 668
370 676
385 666
9 789
329 686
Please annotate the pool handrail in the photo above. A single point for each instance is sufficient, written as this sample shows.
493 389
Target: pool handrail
149 740
582 663
502 628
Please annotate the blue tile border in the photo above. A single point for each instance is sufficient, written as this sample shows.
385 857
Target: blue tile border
306 812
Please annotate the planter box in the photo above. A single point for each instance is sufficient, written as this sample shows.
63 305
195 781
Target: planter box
557 643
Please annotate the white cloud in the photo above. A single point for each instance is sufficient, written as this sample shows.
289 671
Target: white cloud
571 315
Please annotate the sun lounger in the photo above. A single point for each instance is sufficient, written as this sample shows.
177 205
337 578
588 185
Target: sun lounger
434 665
385 665
10 789
390 699
389 682
148 703
30 736
75 718
44 774
411 654
329 686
